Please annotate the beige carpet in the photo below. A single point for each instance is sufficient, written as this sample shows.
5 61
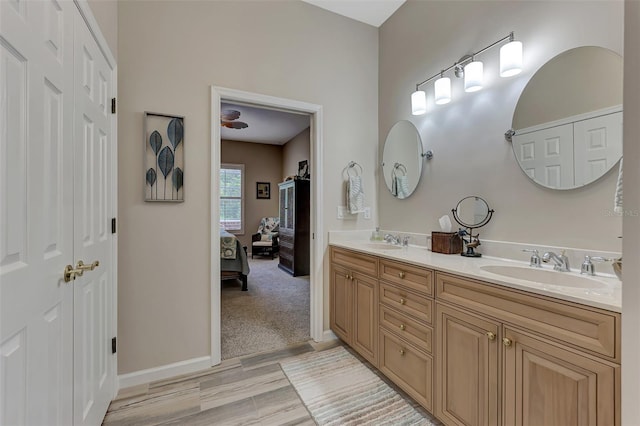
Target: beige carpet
340 390
273 314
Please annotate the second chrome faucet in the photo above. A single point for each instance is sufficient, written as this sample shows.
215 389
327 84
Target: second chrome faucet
561 262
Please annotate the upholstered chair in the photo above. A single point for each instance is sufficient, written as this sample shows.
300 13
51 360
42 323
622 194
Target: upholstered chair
265 241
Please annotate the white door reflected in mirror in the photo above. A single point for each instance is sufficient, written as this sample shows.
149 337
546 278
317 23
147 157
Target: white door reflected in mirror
568 120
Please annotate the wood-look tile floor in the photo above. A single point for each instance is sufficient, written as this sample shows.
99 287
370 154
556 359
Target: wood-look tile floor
251 390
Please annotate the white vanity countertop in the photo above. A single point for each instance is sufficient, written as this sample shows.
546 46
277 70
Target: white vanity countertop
607 296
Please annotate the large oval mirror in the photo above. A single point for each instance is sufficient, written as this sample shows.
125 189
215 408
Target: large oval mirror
568 120
402 159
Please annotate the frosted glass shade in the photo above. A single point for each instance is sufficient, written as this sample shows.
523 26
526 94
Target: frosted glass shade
443 90
473 76
418 102
511 59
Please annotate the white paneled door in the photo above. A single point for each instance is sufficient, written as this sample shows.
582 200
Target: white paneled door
52 215
93 379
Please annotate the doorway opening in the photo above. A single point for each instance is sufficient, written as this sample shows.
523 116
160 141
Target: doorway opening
265 197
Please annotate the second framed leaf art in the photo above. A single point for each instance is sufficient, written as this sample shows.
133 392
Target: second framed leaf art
164 157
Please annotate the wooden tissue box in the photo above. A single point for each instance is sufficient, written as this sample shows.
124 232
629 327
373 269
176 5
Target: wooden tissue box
446 242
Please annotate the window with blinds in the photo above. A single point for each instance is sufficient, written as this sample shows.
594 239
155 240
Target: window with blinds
232 197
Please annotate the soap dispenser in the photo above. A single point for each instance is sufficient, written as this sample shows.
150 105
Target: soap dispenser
375 235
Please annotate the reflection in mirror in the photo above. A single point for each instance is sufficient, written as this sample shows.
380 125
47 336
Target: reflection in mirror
402 159
568 120
471 212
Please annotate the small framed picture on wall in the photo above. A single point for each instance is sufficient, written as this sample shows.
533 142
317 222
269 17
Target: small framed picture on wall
263 190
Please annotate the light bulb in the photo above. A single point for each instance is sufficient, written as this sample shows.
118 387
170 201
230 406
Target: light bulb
418 102
511 59
473 75
443 90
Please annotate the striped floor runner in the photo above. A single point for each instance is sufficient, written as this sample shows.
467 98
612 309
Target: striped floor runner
340 390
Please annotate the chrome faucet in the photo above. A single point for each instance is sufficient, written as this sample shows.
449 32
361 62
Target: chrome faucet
561 261
395 240
535 261
588 267
405 240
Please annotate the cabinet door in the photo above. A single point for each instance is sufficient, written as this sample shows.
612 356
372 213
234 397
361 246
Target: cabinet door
365 319
467 368
341 310
546 384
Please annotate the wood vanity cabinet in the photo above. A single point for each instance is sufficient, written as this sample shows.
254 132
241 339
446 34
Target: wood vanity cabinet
475 353
406 333
562 369
466 385
354 301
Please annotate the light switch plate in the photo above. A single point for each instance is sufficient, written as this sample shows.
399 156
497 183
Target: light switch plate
367 212
340 212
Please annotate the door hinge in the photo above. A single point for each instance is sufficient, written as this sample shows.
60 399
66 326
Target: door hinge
113 105
113 225
313 235
114 346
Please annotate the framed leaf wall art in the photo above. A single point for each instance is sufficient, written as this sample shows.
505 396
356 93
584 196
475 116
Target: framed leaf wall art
163 157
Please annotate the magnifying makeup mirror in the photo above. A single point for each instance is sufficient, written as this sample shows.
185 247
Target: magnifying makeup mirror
471 212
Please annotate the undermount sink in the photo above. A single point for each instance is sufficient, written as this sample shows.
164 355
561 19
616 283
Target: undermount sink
543 276
382 246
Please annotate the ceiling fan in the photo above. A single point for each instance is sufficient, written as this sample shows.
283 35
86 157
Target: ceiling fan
227 118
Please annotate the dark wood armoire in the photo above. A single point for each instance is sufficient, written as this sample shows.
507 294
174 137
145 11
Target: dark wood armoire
295 227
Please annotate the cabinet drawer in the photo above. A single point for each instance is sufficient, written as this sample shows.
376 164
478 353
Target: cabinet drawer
285 236
413 277
355 261
286 251
408 367
413 331
407 302
587 328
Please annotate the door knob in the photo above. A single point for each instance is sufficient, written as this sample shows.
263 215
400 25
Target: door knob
401 351
491 335
402 301
506 341
401 274
402 327
71 274
90 267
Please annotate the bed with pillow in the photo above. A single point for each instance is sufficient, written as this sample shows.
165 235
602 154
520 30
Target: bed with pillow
233 259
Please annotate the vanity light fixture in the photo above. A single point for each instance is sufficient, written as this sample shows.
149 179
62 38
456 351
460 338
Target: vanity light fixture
472 71
473 76
442 88
418 102
511 58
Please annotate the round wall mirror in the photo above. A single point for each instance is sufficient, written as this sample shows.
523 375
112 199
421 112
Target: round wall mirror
402 159
568 120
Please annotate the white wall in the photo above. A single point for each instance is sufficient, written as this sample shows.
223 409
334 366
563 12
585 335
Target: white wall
106 14
631 221
294 151
471 155
170 52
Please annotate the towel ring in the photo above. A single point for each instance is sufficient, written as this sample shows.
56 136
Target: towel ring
353 165
399 167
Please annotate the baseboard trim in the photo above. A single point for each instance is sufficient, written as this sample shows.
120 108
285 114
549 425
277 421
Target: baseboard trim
163 372
328 335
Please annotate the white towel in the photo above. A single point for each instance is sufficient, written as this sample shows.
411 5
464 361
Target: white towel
355 195
402 190
617 204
